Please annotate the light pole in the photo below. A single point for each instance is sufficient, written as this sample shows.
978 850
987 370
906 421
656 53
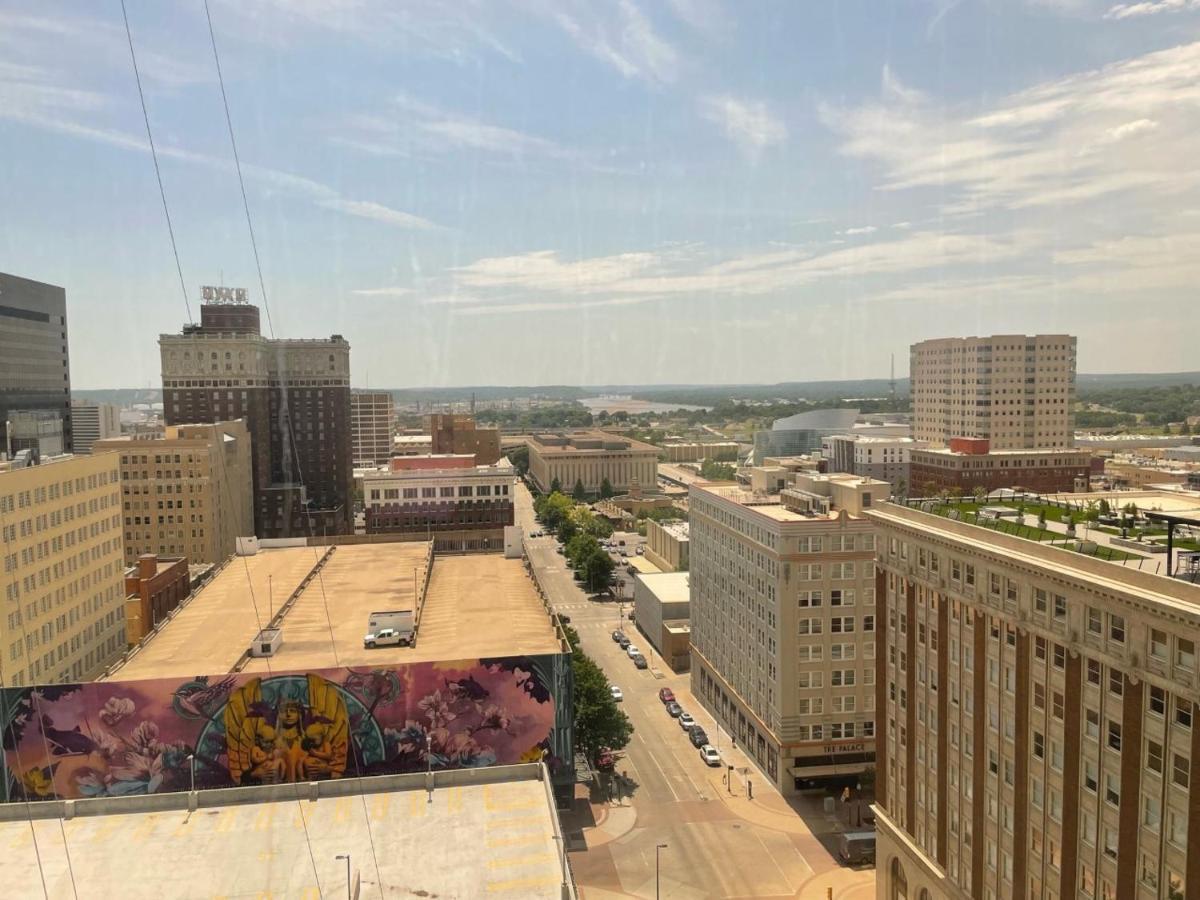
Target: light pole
657 850
270 601
346 857
192 765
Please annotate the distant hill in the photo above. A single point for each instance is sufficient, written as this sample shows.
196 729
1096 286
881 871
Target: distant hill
1136 380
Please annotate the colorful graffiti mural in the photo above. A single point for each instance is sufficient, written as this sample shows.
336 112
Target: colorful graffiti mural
107 739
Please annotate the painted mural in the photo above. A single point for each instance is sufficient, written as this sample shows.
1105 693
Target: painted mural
107 739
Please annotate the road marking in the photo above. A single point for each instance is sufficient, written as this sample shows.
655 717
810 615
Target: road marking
650 753
521 883
512 861
536 837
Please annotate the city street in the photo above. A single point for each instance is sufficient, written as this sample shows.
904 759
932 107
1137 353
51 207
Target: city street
719 842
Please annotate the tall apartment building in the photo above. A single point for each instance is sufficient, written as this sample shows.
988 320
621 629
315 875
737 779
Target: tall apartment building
91 422
459 434
1037 719
188 493
371 418
1014 390
783 621
591 457
294 396
64 571
35 367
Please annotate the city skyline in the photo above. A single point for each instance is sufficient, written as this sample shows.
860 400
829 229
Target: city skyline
750 182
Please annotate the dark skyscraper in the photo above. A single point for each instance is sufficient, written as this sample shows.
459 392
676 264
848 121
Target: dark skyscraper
295 398
35 371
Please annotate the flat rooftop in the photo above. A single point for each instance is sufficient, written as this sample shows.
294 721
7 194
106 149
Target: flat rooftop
475 605
769 505
491 838
668 587
567 442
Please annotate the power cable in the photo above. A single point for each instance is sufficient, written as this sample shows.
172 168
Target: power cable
157 171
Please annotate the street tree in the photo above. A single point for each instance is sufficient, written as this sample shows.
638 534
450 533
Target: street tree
597 570
579 493
606 489
599 722
556 486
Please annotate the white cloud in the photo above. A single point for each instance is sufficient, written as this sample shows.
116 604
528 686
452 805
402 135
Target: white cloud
748 123
620 35
862 229
1149 8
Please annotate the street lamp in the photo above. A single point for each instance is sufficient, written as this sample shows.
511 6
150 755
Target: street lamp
192 764
346 857
657 849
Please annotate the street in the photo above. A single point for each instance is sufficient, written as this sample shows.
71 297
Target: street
720 843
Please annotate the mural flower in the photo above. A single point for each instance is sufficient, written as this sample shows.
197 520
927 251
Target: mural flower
437 709
145 737
115 709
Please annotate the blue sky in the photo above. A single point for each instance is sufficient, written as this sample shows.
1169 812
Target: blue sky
553 191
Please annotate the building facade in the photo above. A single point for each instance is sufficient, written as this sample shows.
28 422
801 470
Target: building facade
591 457
667 545
661 603
1037 719
189 493
153 587
720 451
91 422
783 622
63 578
35 366
39 431
882 458
431 494
802 433
967 465
371 418
294 396
1015 390
458 434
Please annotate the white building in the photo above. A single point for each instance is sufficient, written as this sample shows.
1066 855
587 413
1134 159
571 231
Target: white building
371 417
882 458
91 422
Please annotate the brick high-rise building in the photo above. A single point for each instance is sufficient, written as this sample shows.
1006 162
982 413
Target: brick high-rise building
295 398
1014 390
1037 719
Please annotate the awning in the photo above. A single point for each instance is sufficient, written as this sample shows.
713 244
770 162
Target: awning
821 771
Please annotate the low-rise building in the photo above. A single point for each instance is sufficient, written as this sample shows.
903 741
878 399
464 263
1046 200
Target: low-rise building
882 458
60 540
969 464
446 498
412 445
38 430
459 434
371 416
667 545
153 587
661 604
783 621
187 493
1138 472
1038 733
591 458
694 451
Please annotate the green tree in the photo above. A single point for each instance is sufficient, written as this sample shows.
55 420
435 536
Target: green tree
555 486
597 570
711 470
567 529
1105 507
579 493
588 521
599 722
579 547
551 509
520 460
980 493
606 489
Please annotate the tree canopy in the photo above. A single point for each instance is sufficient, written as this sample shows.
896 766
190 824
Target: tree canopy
579 493
712 470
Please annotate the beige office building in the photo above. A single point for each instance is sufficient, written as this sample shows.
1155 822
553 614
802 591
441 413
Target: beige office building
591 457
667 545
1014 390
783 621
64 571
371 418
189 493
1037 719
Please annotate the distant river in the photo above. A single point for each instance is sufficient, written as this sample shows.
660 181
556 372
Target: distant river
629 405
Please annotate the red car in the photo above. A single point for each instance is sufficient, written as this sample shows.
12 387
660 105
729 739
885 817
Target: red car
605 760
666 695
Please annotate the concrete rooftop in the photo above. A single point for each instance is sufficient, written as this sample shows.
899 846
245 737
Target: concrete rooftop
480 605
491 838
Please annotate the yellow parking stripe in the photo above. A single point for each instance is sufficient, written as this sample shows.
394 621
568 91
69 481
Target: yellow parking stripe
517 884
521 840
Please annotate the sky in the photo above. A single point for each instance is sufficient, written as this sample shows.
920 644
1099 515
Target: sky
564 192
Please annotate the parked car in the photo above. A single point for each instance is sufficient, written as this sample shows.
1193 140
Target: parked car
640 550
666 695
624 552
633 651
386 637
639 662
674 710
605 760
697 736
616 693
686 721
618 635
709 754
623 643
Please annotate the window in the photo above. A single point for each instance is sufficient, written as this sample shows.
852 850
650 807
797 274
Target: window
1060 608
1181 770
1095 623
1116 628
1114 736
1039 745
1151 811
1183 712
1092 723
1158 701
1057 706
1093 671
1039 600
1154 756
1177 827
1158 644
1112 788
1116 682
1185 653
1039 695
1091 775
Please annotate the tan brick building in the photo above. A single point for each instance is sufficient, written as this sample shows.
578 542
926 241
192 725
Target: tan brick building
63 572
667 545
591 457
454 434
1015 390
188 493
1037 719
153 587
371 417
783 622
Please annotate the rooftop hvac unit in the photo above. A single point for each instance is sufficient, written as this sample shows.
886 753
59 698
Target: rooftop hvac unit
267 642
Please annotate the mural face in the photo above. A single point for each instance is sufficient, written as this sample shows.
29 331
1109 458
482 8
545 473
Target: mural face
142 737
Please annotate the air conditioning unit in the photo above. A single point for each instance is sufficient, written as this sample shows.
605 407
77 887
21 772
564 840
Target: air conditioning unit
267 642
